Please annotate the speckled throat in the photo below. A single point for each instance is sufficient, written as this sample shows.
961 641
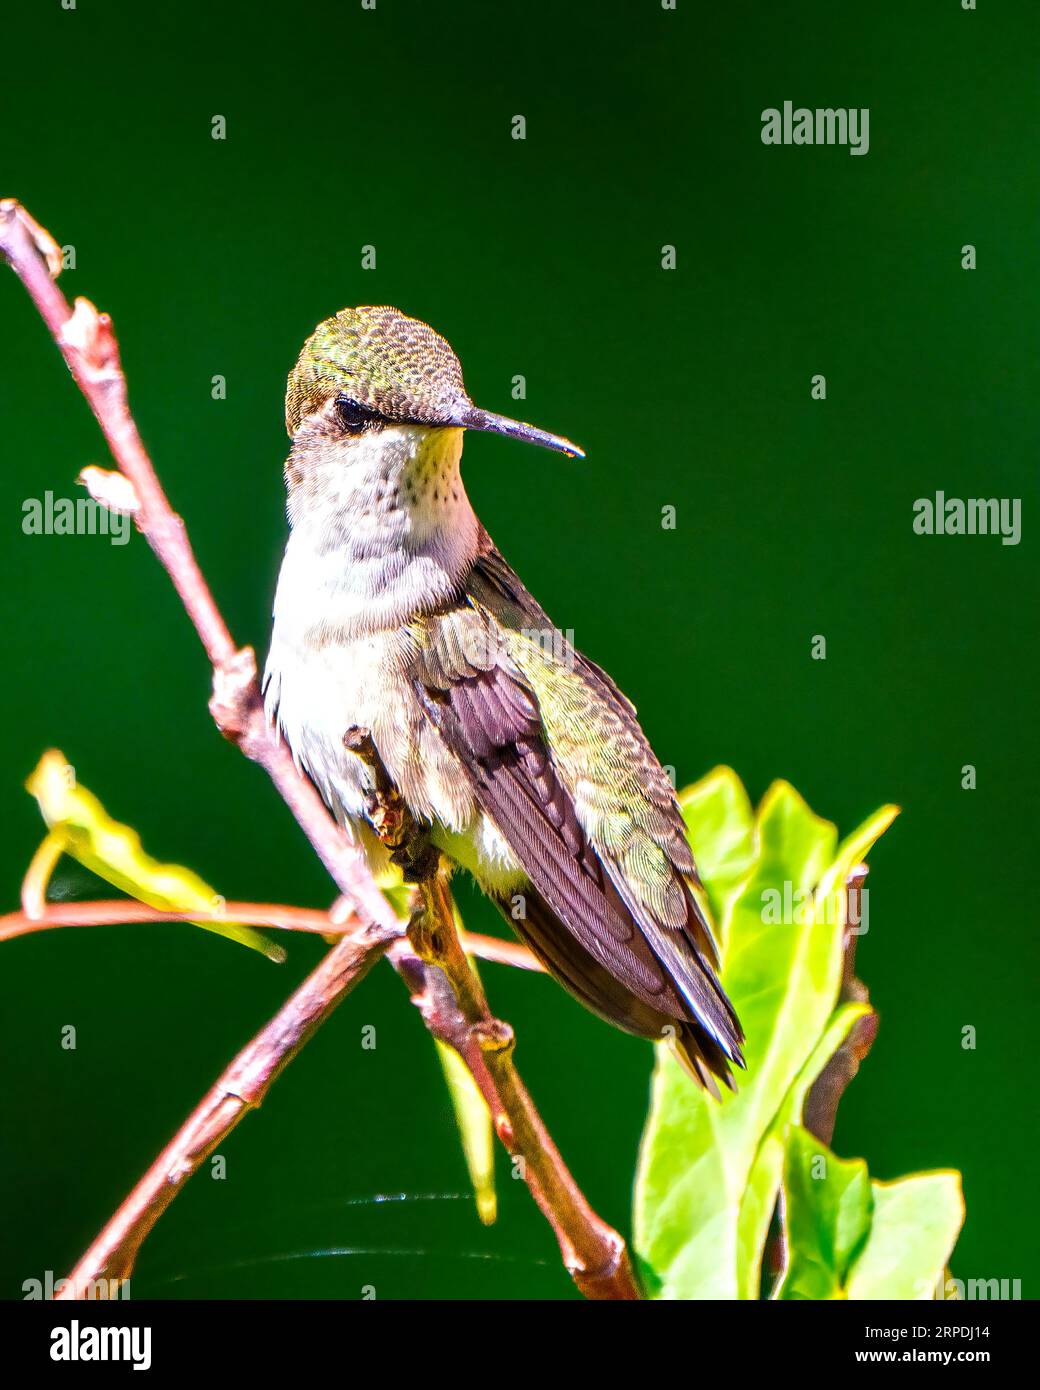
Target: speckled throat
382 530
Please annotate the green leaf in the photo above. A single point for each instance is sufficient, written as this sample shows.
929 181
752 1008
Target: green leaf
828 1206
709 1172
915 1227
848 1237
81 827
759 1200
474 1122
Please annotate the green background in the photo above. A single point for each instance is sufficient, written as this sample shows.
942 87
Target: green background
689 388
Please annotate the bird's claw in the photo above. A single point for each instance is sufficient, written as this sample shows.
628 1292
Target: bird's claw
423 934
417 859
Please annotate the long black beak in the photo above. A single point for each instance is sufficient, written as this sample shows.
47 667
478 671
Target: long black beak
471 417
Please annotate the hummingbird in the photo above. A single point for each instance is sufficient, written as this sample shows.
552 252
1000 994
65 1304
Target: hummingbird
523 761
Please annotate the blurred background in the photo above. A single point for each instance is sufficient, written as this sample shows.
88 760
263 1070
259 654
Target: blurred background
691 388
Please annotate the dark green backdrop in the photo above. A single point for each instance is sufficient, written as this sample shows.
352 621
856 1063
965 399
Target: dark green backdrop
392 128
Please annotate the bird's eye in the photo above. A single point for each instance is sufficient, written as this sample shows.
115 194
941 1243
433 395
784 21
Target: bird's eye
353 417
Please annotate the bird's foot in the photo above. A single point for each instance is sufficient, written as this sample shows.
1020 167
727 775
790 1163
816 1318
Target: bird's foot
388 813
425 938
417 859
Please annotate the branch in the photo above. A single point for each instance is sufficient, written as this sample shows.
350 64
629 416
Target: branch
821 1104
594 1253
493 948
455 1009
240 1088
88 345
108 912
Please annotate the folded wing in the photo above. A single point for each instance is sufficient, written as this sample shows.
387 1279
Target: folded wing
558 762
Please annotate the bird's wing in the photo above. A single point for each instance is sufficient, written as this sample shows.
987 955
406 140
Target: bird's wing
560 765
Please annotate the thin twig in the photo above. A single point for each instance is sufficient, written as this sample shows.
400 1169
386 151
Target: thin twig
821 1104
241 1087
457 1013
493 948
88 344
454 1006
596 1256
108 912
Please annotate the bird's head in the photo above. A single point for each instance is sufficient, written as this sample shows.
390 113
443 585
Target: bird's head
370 367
